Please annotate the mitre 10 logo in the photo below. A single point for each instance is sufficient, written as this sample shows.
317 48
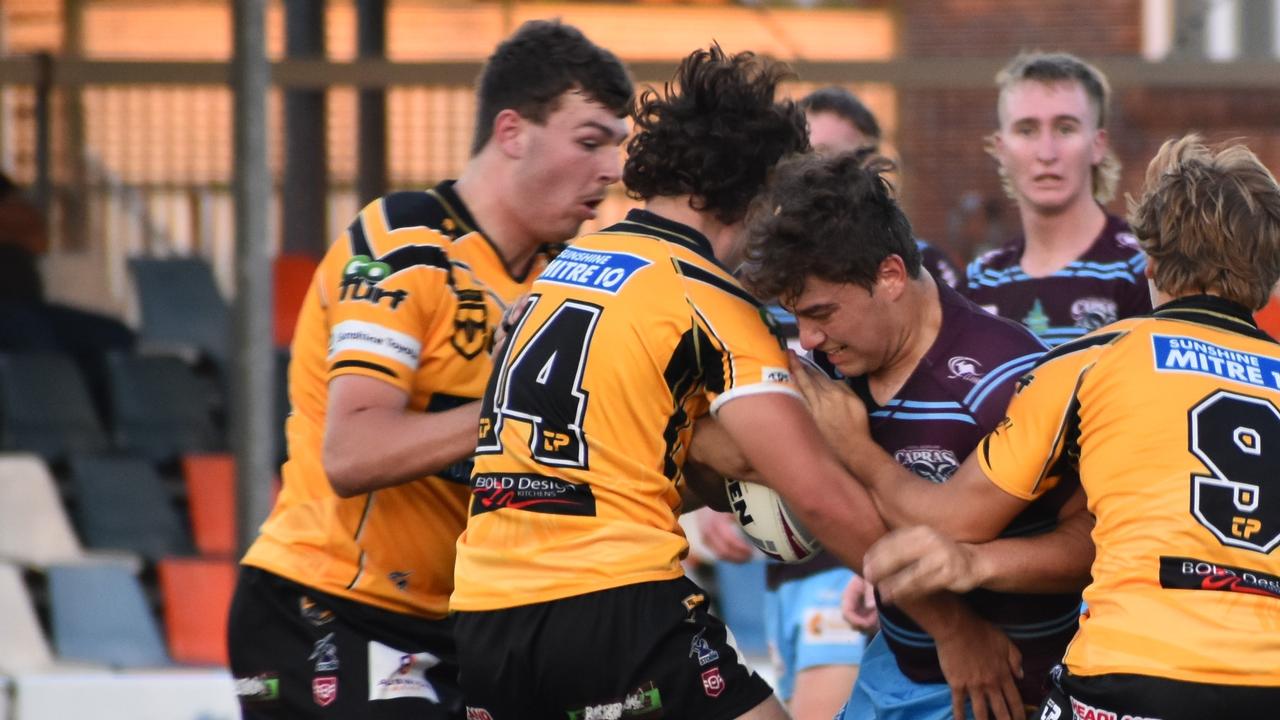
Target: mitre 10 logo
360 280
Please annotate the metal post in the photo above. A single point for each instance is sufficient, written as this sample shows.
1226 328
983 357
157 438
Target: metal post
305 194
43 190
251 375
75 216
371 142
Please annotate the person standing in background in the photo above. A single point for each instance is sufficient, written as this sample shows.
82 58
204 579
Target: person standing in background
1075 268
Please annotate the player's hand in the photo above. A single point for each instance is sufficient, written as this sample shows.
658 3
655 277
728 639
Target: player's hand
980 664
721 536
858 605
913 562
839 412
510 317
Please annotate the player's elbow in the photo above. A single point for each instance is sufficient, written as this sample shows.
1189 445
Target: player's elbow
347 475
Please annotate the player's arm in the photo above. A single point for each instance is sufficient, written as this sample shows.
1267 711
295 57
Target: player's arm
967 507
779 439
917 561
372 440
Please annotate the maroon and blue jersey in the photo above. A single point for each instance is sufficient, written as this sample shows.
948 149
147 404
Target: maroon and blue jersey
1103 285
957 394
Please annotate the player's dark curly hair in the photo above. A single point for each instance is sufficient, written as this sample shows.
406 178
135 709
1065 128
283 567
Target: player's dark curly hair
828 216
713 133
529 71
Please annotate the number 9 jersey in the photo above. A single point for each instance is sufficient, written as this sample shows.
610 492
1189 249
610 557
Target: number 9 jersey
1173 424
629 336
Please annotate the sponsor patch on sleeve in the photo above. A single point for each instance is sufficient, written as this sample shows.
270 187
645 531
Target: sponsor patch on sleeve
593 269
367 337
775 374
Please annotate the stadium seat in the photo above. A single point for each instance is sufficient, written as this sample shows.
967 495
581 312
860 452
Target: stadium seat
741 603
25 648
45 407
122 503
292 278
211 502
99 613
196 593
159 407
34 527
181 306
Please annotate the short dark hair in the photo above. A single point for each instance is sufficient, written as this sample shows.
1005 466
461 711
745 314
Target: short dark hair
838 100
532 69
827 216
713 133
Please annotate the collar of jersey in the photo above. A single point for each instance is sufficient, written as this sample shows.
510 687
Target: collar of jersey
454 206
643 222
1214 311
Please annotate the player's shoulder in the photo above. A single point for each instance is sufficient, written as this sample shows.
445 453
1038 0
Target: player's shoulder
999 259
1116 244
984 331
1089 347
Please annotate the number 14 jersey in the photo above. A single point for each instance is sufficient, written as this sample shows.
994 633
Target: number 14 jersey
630 335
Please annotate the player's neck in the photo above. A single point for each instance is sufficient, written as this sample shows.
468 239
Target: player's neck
922 310
1054 241
725 239
481 189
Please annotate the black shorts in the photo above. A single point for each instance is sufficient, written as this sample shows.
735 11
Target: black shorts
299 653
644 650
1143 697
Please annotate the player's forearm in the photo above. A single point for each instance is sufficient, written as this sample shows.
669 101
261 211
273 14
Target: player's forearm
379 447
842 515
902 497
938 614
1056 561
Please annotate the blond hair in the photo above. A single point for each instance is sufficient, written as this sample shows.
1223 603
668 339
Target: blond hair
1209 220
1051 69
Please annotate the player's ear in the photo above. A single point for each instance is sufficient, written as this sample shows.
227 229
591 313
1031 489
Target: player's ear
1101 142
510 133
891 276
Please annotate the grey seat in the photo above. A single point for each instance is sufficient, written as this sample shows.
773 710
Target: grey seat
45 407
99 613
159 407
122 504
181 306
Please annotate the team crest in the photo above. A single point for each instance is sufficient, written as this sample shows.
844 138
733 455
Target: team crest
1094 312
930 462
964 368
471 324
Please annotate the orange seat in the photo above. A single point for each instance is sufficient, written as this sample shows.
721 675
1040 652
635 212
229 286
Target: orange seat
292 278
197 599
211 502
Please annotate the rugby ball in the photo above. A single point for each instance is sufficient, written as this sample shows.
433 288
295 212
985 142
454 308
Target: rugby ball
769 524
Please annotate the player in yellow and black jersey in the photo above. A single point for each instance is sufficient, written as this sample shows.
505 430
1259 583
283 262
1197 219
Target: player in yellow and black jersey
341 607
569 595
1171 424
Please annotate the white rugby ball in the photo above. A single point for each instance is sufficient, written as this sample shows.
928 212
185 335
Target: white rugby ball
769 524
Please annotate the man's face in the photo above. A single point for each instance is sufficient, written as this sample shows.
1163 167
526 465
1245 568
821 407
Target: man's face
848 322
1048 143
566 164
830 133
